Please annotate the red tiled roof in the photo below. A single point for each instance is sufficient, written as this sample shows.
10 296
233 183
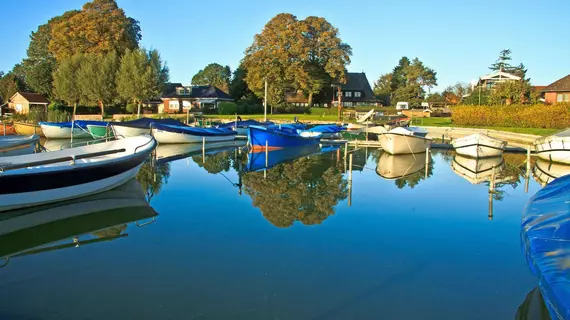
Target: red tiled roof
560 85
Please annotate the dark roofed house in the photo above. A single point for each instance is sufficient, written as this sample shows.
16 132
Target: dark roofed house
558 91
178 98
22 102
355 92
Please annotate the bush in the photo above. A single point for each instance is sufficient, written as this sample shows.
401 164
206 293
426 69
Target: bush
132 108
518 116
227 108
58 116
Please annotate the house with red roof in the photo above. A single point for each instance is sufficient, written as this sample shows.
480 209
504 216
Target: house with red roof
558 91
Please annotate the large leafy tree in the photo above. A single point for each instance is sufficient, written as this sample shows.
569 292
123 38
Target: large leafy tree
382 88
10 83
141 76
96 79
295 55
66 80
213 75
100 27
40 63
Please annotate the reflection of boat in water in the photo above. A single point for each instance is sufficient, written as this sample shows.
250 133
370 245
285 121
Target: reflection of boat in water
170 152
545 238
60 144
400 166
477 170
257 160
28 231
545 172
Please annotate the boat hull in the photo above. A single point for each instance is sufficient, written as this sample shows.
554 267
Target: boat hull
555 151
125 132
173 137
55 132
99 132
479 146
9 142
259 138
403 144
26 129
7 129
40 184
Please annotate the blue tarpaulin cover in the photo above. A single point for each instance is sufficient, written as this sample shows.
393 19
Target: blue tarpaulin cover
327 128
195 131
144 123
244 124
546 243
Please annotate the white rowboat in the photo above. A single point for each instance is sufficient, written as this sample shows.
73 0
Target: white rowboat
479 145
404 141
35 179
555 148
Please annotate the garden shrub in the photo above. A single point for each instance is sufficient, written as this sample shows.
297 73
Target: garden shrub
227 108
518 116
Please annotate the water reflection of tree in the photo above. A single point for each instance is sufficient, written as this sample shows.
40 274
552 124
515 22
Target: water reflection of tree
216 162
414 179
153 178
305 190
512 174
110 232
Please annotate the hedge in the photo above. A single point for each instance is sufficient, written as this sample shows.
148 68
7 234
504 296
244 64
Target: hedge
517 116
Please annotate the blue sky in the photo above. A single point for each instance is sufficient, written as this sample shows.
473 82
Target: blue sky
459 39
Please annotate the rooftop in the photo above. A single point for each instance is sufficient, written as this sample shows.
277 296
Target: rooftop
560 85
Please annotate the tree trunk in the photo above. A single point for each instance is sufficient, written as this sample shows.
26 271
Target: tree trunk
139 110
74 110
102 106
310 102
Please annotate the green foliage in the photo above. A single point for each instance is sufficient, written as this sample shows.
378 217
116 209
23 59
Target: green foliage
228 108
480 96
406 82
100 27
382 88
518 116
58 116
10 83
153 178
293 55
238 87
65 80
56 105
96 79
213 75
131 107
503 64
435 97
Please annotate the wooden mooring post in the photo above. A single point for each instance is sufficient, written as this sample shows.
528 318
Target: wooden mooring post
203 149
492 182
350 167
527 180
490 215
266 153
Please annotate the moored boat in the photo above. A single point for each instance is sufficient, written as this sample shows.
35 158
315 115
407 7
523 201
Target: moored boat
328 131
545 238
479 145
400 166
275 137
140 126
164 133
478 170
555 148
241 126
545 171
6 129
28 129
64 130
404 141
41 178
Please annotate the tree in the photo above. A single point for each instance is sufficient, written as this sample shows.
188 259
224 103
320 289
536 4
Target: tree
141 76
40 63
238 88
398 79
502 63
213 75
382 88
66 80
9 85
455 93
293 55
100 27
96 79
408 80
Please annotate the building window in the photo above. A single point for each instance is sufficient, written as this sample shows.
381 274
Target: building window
567 97
357 94
560 97
348 94
173 105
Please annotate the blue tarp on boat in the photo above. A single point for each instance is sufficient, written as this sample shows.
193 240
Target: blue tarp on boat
78 124
144 123
545 240
195 131
245 124
327 128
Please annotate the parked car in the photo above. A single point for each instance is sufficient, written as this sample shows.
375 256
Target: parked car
402 106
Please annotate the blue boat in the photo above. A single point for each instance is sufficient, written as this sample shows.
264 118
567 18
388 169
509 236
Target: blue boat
257 161
545 238
277 137
329 131
64 130
241 126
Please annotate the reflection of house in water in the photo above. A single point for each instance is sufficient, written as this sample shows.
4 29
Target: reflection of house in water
105 215
545 172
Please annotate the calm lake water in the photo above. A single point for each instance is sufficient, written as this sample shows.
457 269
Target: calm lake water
297 241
